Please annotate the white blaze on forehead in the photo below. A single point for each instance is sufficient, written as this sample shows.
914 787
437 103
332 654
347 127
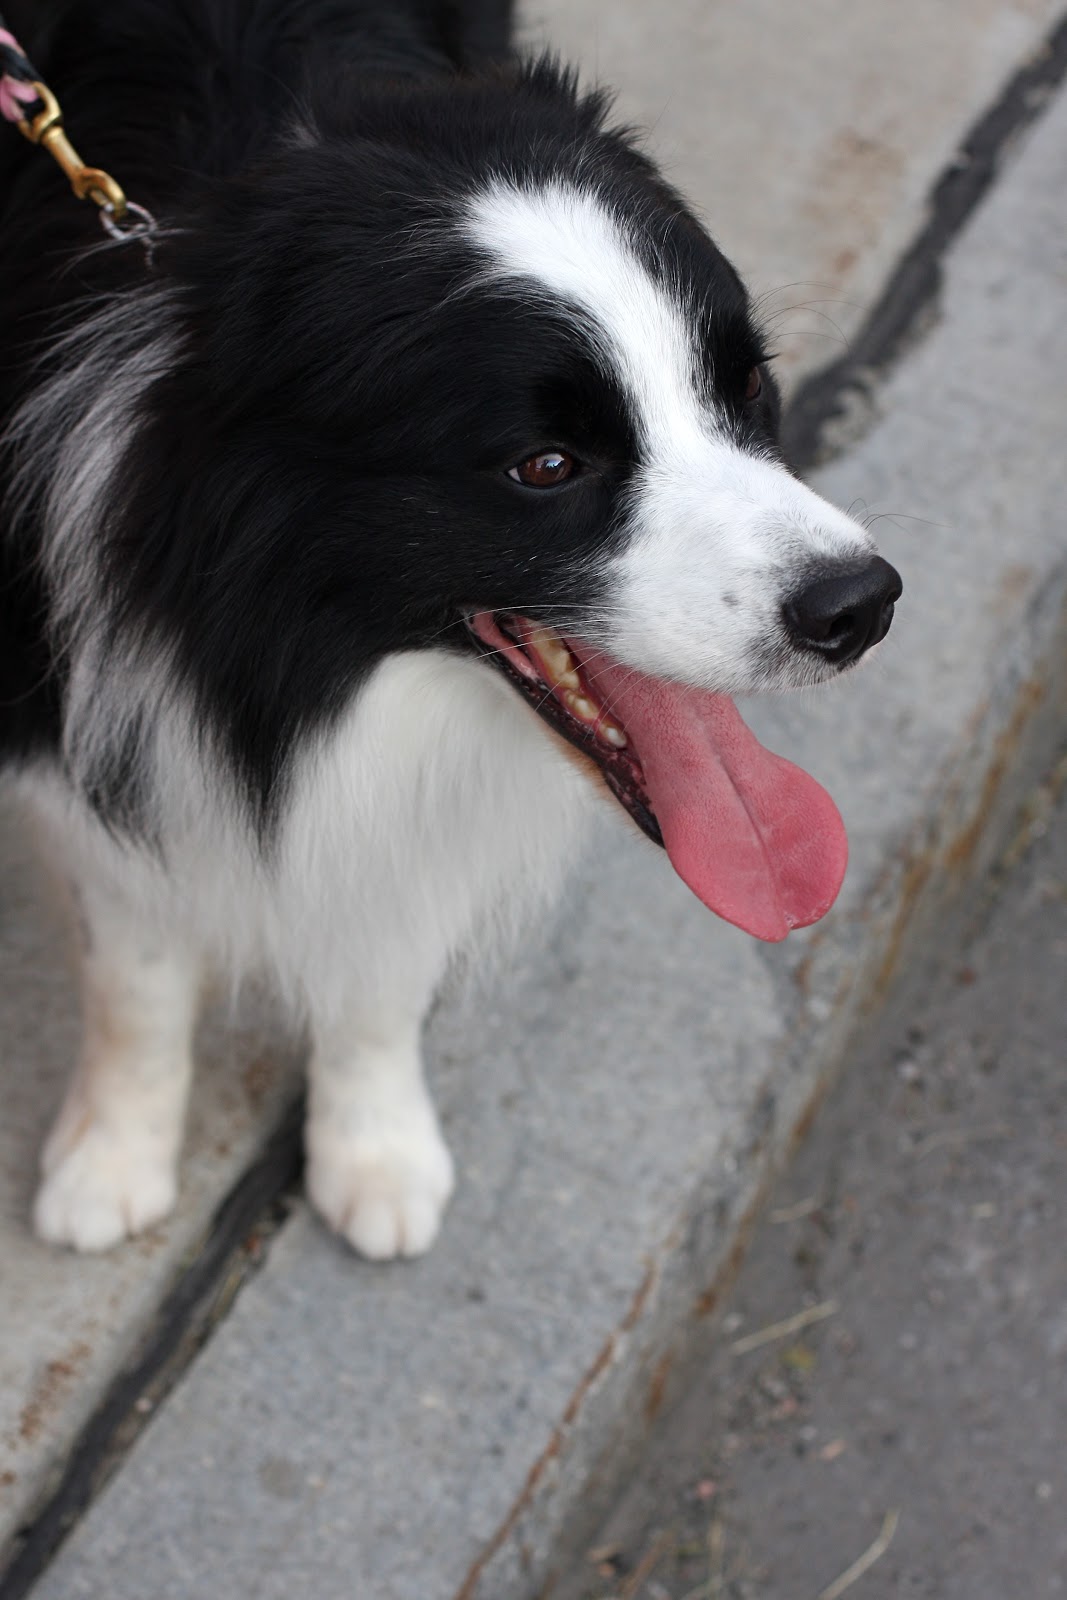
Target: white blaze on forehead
718 535
568 244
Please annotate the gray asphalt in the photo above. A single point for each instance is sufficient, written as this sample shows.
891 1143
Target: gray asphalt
928 1206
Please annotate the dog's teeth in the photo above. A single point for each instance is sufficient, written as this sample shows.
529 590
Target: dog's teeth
612 734
556 657
580 707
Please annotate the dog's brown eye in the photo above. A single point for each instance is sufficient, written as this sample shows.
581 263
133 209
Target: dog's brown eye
754 386
545 470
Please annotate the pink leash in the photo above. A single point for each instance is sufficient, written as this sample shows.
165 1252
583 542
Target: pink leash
16 93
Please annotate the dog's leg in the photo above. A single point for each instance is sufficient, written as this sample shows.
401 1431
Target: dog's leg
448 840
378 1169
110 1163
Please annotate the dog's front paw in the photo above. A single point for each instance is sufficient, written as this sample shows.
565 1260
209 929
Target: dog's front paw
103 1186
384 1189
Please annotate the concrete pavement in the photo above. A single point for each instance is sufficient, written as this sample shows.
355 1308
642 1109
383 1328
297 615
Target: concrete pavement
68 1324
925 1216
616 1110
808 135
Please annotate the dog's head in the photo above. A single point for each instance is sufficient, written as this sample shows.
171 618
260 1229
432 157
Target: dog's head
706 568
536 412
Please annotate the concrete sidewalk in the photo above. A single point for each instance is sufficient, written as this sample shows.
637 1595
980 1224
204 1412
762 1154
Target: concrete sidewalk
924 1219
436 1429
808 135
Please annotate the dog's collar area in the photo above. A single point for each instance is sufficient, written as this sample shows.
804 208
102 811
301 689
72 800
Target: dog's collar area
550 675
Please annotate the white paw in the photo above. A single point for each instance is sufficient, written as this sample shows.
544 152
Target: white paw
105 1186
385 1191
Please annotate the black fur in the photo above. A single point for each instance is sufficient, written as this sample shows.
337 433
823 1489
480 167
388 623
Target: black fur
321 476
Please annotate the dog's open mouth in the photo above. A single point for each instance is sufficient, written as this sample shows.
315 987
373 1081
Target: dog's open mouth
755 838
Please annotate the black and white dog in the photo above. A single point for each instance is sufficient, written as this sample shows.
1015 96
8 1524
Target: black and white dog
421 489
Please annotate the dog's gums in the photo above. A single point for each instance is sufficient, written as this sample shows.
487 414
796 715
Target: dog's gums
546 671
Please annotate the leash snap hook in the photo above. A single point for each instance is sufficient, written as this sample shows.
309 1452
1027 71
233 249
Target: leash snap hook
92 183
21 88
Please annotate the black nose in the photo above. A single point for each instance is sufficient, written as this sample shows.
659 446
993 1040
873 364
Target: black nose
840 615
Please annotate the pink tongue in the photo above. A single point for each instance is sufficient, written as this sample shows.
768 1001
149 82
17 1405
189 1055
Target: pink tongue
753 836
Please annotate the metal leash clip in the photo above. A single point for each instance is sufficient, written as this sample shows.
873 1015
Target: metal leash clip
120 217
